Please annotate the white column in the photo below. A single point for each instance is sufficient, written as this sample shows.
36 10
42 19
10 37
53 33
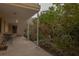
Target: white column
38 29
28 30
2 25
6 27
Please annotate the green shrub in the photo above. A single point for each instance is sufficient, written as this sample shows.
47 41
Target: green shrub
59 30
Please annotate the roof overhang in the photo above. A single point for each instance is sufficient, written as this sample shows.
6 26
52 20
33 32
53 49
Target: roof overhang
31 6
6 9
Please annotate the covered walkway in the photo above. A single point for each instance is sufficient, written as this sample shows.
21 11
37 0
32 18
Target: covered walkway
23 47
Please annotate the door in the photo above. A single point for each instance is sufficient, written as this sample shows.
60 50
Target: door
14 29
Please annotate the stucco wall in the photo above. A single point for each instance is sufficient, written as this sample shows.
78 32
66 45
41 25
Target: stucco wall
21 27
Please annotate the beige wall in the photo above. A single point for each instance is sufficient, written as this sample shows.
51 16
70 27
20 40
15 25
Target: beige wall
21 27
6 27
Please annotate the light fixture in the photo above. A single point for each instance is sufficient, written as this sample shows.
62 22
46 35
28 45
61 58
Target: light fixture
16 20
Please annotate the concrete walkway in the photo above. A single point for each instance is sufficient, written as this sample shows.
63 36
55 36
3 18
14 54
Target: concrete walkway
23 47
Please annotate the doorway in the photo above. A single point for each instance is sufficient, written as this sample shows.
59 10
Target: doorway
14 29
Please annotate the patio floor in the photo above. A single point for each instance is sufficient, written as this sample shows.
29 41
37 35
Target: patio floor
23 47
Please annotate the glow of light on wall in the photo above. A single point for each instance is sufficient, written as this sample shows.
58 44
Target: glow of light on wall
16 20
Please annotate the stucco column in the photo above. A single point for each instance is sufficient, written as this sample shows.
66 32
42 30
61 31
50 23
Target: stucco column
2 26
6 27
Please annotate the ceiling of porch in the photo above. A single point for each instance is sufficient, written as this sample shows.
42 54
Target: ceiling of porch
11 12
